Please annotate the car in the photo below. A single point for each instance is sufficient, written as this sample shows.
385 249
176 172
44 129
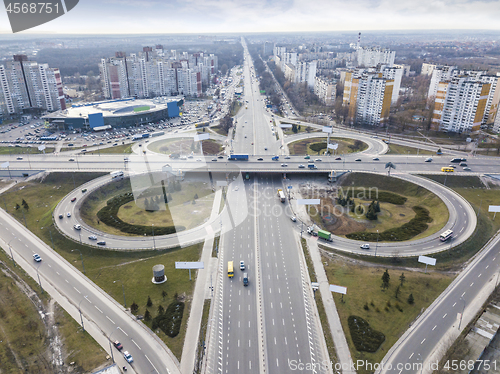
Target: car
376 159
37 257
128 357
467 169
365 246
294 219
71 159
77 227
260 159
358 159
242 265
245 136
68 214
198 159
265 149
287 157
19 158
60 216
311 161
220 156
84 190
452 166
118 345
73 199
307 157
462 164
214 159
428 159
301 166
318 159
338 159
93 237
102 242
284 165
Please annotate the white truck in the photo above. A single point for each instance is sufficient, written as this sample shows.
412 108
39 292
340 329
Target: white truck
116 174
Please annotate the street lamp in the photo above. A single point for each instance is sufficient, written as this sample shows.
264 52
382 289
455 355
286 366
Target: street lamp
123 291
11 255
80 310
461 315
81 257
38 275
154 242
376 246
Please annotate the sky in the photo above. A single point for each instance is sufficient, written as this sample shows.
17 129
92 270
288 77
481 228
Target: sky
221 16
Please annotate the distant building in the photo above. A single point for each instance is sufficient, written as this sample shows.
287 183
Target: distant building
406 69
370 57
305 72
427 69
156 72
29 85
326 90
438 74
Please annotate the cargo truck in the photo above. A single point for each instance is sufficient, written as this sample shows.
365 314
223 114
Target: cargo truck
116 174
312 166
281 195
237 158
325 235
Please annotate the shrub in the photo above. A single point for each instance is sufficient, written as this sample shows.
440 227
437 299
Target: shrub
365 307
363 336
411 300
170 321
149 302
415 226
109 216
134 308
381 196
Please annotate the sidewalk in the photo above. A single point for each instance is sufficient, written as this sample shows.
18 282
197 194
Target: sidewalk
341 347
201 292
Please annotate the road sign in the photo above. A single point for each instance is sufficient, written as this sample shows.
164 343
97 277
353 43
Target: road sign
427 261
338 289
494 208
285 126
199 137
189 265
308 201
333 146
327 129
41 148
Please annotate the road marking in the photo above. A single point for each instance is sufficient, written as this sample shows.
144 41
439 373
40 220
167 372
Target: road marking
454 304
494 258
411 355
422 342
479 275
137 345
471 284
57 273
434 328
66 281
88 300
49 265
152 364
76 290
445 315
122 331
110 320
98 308
487 266
463 294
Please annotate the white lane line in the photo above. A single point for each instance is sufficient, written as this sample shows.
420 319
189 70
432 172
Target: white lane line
137 345
422 342
434 328
110 320
411 355
122 331
88 300
152 364
98 308
66 281
454 304
445 315
49 265
471 284
463 294
479 275
57 273
76 290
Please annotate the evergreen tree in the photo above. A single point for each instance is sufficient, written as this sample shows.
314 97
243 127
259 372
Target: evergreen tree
134 308
385 279
17 207
195 196
397 291
161 309
402 278
147 316
377 207
25 205
163 294
411 300
149 303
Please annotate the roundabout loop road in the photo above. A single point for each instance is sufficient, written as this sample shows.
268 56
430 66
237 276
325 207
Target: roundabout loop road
462 220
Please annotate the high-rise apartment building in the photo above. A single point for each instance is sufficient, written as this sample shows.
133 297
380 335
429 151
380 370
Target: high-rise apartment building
368 95
156 72
325 89
26 84
371 57
463 103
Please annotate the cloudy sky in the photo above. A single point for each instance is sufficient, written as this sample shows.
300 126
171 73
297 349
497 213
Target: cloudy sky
217 16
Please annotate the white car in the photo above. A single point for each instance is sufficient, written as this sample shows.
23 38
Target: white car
128 357
318 159
242 265
294 219
365 246
428 159
77 227
68 214
93 237
37 257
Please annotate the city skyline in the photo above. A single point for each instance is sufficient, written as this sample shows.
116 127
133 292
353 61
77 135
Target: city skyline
219 16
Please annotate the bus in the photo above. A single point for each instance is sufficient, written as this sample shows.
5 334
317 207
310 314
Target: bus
230 271
447 169
446 235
